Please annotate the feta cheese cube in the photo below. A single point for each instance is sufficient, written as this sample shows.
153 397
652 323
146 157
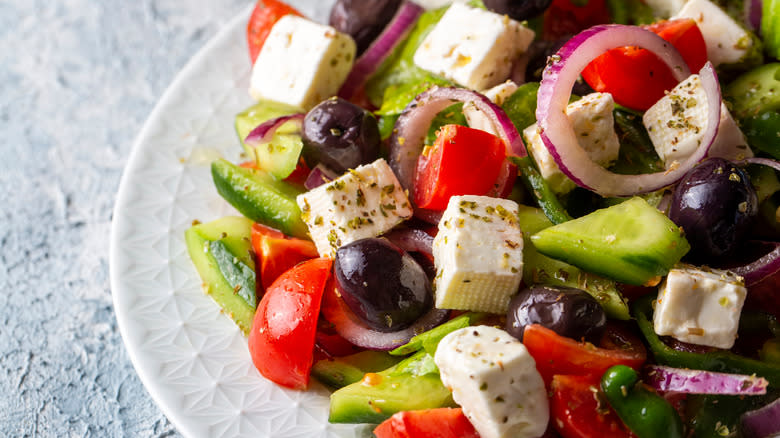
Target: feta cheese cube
498 94
436 4
727 41
364 202
478 254
494 379
700 306
594 125
473 47
676 124
301 63
665 8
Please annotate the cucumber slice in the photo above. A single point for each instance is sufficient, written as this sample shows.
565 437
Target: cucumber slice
230 265
280 156
258 113
540 269
343 371
631 242
260 197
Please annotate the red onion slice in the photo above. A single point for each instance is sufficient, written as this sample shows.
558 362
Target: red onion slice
412 239
265 131
408 137
763 422
347 325
683 380
762 267
556 129
319 176
754 13
383 45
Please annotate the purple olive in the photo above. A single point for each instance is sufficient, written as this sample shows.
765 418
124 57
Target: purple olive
567 311
715 205
518 9
363 20
382 284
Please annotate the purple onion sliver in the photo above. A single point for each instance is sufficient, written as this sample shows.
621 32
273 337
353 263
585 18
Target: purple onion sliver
382 46
763 422
319 176
762 161
412 239
761 268
683 380
264 131
755 13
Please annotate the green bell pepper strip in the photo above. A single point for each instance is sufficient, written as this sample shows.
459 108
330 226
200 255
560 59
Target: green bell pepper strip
720 361
646 413
541 191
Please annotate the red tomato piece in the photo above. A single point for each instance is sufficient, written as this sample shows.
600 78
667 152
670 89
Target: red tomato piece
568 17
556 354
636 77
577 411
264 16
276 253
429 423
462 161
281 341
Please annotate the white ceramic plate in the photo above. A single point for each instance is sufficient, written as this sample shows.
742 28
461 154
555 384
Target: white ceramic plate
192 359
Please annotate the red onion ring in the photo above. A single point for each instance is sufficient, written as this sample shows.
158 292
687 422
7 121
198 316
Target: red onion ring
761 161
408 137
556 130
348 327
763 422
412 239
683 380
319 176
395 32
265 131
764 266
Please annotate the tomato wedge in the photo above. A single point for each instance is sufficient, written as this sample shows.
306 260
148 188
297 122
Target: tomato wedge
429 423
556 354
281 341
462 161
264 16
577 411
276 253
637 78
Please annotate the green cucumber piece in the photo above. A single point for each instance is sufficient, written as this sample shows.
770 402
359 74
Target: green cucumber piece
631 242
770 27
429 341
342 371
755 91
280 156
260 197
220 251
540 269
394 392
258 113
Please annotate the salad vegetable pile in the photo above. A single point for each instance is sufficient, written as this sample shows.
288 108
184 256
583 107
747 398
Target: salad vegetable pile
497 218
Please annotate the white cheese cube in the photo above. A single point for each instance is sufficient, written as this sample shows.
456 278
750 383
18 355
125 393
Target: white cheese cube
700 306
436 4
498 94
364 202
478 253
594 125
665 8
727 41
676 124
494 379
301 63
473 47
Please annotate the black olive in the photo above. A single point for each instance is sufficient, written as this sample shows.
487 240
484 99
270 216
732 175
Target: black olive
340 135
567 311
518 9
363 20
715 205
382 285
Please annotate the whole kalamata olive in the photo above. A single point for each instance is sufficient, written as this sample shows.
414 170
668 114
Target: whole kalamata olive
538 54
715 204
364 20
518 9
340 135
382 285
567 311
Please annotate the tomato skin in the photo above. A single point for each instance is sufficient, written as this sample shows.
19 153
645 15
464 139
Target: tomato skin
275 253
576 411
430 423
637 78
556 354
264 16
281 341
462 161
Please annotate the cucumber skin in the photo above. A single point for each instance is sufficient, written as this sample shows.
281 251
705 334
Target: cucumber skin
645 244
260 197
604 290
343 371
237 232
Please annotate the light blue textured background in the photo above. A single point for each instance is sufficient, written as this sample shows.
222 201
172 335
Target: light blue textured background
77 80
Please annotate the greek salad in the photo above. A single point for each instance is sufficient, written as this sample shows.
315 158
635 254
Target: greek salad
497 218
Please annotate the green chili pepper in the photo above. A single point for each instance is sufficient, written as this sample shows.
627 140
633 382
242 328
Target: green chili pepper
646 413
720 361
